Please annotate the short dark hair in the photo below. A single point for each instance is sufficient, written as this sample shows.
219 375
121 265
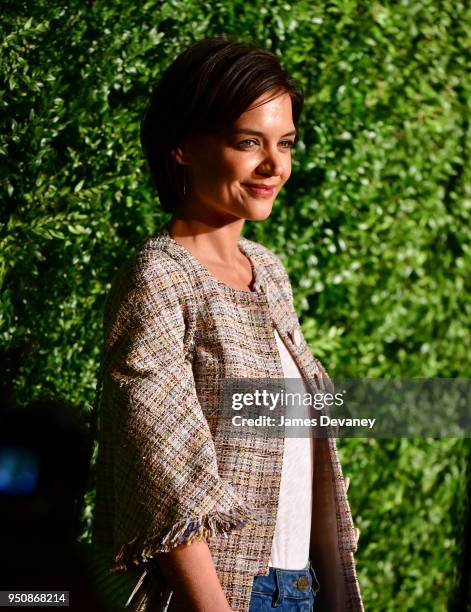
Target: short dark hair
206 89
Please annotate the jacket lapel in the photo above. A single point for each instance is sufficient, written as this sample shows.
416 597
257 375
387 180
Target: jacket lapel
285 319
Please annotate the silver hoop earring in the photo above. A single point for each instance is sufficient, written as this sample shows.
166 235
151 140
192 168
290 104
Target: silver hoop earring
184 183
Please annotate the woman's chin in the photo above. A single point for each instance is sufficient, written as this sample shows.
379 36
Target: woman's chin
259 212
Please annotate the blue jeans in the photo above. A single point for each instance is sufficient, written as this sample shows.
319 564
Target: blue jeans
285 590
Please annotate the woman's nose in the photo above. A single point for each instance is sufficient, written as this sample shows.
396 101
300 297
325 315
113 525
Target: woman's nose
272 163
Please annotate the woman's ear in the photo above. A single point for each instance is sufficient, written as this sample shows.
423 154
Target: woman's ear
181 154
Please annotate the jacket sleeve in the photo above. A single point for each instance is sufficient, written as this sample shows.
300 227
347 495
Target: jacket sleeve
165 489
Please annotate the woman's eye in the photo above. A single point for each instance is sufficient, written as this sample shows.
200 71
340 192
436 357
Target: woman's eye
246 143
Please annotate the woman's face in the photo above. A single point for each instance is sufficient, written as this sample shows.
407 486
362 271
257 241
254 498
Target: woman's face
238 174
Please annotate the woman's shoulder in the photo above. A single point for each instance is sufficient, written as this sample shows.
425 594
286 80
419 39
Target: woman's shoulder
151 263
148 272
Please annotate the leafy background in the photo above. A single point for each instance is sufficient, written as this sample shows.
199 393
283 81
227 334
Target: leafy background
373 226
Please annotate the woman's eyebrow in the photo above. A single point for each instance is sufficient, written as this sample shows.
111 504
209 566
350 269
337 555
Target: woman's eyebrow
257 133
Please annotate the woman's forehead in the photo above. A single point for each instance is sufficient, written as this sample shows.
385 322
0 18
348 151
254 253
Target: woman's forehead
275 115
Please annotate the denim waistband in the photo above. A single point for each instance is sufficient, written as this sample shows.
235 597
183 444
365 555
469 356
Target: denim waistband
291 584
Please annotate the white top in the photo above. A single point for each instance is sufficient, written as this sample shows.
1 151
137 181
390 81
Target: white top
290 548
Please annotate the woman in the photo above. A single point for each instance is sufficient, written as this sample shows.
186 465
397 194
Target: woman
204 516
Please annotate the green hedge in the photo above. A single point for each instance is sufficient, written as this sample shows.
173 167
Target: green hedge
373 225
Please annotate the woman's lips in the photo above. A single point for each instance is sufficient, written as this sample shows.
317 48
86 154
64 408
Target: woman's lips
257 190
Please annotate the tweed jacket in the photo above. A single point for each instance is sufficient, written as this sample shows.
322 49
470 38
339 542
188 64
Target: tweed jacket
167 473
